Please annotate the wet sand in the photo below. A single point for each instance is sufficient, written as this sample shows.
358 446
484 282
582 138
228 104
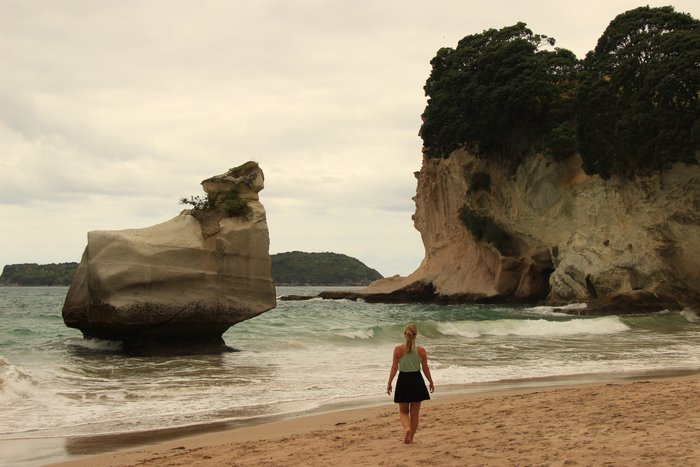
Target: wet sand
643 422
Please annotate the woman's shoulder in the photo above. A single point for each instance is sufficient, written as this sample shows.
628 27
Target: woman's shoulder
421 351
399 350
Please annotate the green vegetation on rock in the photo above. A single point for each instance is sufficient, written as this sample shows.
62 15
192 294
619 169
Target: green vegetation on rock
232 204
638 104
632 106
496 93
299 268
38 274
486 229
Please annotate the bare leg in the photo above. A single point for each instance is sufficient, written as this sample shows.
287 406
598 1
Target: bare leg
405 417
415 415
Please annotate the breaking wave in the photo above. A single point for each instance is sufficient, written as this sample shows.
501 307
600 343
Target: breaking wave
533 327
15 383
97 344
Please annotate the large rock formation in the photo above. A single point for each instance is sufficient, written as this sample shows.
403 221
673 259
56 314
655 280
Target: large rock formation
622 245
176 287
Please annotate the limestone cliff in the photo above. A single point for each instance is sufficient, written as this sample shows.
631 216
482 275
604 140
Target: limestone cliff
571 237
176 287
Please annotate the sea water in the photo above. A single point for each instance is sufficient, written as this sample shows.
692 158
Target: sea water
302 356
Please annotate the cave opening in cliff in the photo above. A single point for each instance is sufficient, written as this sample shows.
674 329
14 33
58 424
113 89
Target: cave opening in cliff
545 287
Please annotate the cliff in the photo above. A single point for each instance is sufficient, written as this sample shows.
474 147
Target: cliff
618 244
176 287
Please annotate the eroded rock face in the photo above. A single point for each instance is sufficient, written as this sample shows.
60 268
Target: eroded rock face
574 238
176 287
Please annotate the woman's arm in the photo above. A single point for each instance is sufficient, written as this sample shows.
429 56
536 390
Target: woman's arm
424 364
394 369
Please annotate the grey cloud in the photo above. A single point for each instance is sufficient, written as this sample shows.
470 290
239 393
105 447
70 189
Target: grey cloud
110 111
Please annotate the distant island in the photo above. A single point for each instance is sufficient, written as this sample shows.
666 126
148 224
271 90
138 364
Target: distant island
291 268
32 274
300 268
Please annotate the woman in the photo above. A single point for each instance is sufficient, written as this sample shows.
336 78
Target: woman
410 387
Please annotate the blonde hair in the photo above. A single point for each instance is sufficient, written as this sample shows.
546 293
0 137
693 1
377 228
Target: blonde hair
409 333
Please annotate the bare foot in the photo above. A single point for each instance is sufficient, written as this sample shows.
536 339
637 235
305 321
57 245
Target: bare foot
408 439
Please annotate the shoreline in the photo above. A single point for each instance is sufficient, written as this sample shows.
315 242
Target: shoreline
127 448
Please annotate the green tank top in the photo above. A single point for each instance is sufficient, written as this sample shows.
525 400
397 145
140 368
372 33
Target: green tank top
409 362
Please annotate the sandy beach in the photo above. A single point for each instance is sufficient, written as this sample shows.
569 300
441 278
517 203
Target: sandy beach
645 422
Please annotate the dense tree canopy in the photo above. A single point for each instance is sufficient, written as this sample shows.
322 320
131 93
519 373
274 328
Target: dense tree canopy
633 105
638 104
497 92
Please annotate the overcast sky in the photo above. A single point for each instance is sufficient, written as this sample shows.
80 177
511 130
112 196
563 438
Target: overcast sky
110 111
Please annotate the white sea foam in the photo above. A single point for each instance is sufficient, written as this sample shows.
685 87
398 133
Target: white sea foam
358 334
532 327
467 375
690 315
462 329
553 309
15 383
97 344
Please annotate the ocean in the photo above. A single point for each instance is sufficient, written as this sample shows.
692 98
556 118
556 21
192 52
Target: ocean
60 395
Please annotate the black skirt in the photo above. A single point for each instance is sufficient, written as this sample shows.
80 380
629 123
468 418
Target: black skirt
410 387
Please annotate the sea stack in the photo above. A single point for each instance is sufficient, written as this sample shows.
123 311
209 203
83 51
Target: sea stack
174 288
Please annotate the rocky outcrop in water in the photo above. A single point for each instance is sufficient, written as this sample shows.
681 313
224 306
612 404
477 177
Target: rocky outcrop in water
545 231
176 287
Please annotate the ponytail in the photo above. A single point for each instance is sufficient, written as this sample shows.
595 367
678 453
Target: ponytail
409 333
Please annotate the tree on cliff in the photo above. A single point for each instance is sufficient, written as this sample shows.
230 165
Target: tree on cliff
638 103
497 92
